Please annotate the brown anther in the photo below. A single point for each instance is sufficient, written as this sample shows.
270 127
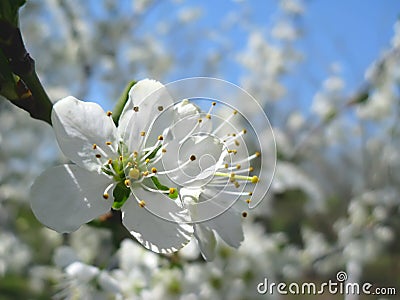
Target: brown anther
192 157
238 166
136 108
94 147
108 143
98 155
251 169
214 103
135 154
160 138
235 112
200 120
237 143
160 108
257 154
142 133
237 185
244 131
142 203
248 200
163 150
233 134
250 193
120 157
109 161
244 214
153 170
208 116
106 196
109 113
127 182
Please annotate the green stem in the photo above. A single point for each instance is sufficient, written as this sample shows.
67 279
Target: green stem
121 102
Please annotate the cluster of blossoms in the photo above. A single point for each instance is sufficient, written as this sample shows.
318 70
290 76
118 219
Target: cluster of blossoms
171 179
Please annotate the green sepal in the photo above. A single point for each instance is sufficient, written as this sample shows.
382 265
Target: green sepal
162 187
121 193
153 154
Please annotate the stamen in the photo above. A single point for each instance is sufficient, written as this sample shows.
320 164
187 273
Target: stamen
94 147
253 179
136 108
109 162
192 157
244 214
142 203
142 133
153 170
109 113
208 116
127 182
160 108
160 138
106 196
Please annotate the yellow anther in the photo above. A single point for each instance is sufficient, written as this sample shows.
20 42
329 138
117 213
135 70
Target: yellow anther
200 120
135 154
244 214
226 166
142 203
237 143
172 191
94 147
109 113
254 179
106 195
160 138
208 116
134 173
129 164
98 155
214 103
136 108
250 193
251 169
108 143
147 160
192 157
109 161
153 170
248 200
244 131
160 108
237 185
235 112
234 151
163 150
257 154
238 166
127 182
142 133
120 157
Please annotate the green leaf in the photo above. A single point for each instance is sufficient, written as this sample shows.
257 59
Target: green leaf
121 194
162 187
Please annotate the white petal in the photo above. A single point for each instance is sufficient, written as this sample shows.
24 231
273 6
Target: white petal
228 225
78 125
65 197
152 103
152 231
206 240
